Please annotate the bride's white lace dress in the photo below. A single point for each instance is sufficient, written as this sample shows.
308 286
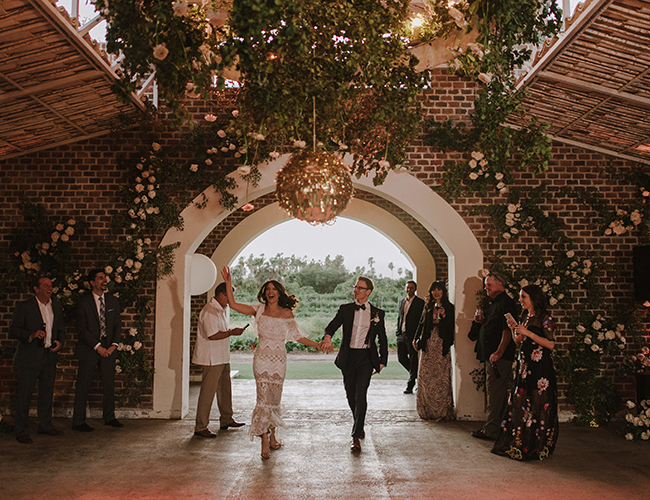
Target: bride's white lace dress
270 368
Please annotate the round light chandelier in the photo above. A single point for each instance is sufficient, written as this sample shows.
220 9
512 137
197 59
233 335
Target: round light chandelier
314 186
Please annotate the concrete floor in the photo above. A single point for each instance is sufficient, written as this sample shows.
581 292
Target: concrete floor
403 457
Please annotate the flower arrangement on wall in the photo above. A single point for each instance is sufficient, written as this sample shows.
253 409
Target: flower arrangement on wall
636 424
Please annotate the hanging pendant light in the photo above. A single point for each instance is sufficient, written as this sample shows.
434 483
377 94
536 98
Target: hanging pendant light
314 186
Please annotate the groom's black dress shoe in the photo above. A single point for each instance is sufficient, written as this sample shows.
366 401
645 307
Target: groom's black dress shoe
355 446
115 423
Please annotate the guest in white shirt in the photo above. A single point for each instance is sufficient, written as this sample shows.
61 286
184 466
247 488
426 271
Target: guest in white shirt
212 351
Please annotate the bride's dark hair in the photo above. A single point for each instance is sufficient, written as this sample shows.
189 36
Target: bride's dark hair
285 300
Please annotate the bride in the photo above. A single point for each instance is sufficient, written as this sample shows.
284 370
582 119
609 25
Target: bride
275 326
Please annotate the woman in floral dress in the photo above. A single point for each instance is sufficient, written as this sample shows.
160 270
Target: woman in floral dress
529 428
434 338
275 325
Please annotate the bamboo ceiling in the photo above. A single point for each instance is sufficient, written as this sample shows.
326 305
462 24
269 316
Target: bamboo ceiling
592 83
54 83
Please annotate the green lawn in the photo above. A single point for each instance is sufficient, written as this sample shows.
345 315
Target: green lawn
320 370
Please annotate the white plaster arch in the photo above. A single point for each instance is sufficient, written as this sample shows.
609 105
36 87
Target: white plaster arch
465 258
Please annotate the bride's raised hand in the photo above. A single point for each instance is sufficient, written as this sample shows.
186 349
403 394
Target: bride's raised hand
225 274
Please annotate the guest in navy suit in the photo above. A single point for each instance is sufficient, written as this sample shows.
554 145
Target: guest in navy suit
37 324
358 357
98 334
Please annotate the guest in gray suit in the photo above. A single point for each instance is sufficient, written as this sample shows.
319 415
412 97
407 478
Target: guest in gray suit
98 334
37 325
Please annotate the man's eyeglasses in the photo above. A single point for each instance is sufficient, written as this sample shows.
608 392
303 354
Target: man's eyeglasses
360 288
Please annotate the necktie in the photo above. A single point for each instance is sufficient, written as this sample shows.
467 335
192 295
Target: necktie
359 306
102 317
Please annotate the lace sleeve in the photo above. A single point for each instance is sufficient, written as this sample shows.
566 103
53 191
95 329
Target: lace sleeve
294 332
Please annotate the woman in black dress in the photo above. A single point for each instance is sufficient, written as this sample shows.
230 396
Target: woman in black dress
529 428
433 338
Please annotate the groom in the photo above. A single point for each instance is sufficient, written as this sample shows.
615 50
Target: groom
362 323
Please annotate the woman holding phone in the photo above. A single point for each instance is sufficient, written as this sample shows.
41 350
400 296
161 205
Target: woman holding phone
275 325
434 337
529 428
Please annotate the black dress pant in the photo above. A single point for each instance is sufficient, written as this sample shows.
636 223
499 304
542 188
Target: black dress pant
85 374
408 358
356 379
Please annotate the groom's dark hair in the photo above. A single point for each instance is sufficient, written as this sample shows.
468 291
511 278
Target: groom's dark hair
367 281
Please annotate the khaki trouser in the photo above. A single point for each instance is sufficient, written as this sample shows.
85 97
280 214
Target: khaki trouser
215 380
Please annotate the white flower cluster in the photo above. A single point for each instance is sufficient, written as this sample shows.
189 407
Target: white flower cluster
72 285
625 222
550 289
480 170
145 192
128 269
639 424
576 271
601 337
642 358
515 221
62 232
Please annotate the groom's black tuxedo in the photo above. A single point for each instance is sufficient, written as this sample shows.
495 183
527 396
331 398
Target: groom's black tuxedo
357 364
345 317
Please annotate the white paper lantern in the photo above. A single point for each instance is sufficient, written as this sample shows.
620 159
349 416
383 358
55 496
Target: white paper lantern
204 274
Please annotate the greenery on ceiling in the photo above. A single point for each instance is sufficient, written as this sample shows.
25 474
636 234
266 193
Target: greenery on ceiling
344 62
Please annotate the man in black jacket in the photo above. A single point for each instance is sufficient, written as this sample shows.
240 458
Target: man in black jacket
37 324
410 311
495 347
98 335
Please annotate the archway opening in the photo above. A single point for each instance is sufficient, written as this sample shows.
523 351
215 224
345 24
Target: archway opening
424 217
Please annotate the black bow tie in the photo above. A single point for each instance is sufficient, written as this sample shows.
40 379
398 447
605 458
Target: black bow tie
359 306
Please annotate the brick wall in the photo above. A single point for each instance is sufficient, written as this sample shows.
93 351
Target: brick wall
83 181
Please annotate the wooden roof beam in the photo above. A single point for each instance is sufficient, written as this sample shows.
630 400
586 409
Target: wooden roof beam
636 100
47 86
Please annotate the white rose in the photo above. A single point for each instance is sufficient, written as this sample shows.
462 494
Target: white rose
235 113
208 161
64 237
472 163
596 325
160 51
108 269
512 208
552 301
128 263
629 437
299 144
610 335
473 176
498 176
139 188
274 154
570 254
595 348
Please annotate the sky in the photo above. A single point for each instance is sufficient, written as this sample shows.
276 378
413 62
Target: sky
355 241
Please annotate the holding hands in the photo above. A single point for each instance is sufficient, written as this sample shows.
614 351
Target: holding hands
326 345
